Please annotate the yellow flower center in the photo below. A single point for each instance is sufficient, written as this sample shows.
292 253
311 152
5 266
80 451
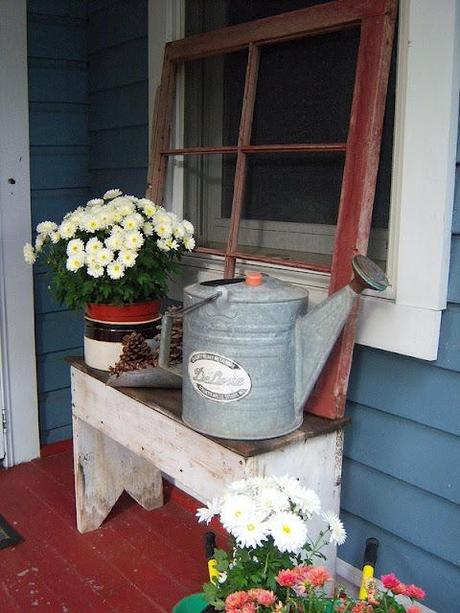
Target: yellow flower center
286 529
251 527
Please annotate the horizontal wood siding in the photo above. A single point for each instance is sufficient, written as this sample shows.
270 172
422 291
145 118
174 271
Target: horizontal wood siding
58 117
118 85
402 454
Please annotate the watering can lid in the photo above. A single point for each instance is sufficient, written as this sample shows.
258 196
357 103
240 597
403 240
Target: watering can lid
258 290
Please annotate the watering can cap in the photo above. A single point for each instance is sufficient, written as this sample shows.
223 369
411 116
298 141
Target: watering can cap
253 278
369 273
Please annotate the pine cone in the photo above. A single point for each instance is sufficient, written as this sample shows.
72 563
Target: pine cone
135 354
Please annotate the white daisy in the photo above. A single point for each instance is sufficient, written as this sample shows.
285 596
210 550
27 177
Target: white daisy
179 231
94 202
163 228
147 206
188 227
75 262
112 193
46 227
338 533
272 499
93 245
90 223
242 486
55 237
104 256
189 243
289 531
67 229
115 270
95 271
124 205
91 260
237 509
39 242
251 533
115 240
75 246
117 230
161 244
127 257
29 254
147 228
133 221
134 239
205 514
172 244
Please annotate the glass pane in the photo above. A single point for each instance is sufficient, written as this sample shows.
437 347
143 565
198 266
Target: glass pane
200 178
305 89
211 115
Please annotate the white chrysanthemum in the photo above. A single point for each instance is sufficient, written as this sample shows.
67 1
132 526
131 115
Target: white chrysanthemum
289 531
75 246
134 240
133 221
188 227
132 198
75 262
163 228
306 500
95 271
91 260
105 217
189 243
93 245
147 206
171 243
117 216
162 245
205 514
161 215
94 202
29 254
115 270
112 193
115 241
39 242
55 237
242 486
127 257
272 499
117 230
76 216
104 256
251 533
46 227
90 223
124 205
338 533
237 509
67 229
179 231
147 228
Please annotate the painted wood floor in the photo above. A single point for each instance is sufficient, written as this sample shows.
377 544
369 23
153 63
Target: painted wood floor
138 561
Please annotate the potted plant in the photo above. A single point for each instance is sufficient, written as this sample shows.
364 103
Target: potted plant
272 564
113 257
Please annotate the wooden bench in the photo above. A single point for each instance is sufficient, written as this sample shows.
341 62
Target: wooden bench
125 438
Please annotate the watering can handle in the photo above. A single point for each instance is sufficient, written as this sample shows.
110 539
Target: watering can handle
367 275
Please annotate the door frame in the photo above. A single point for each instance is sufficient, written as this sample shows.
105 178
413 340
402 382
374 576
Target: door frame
19 397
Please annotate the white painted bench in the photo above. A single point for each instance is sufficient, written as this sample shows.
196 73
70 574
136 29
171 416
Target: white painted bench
124 439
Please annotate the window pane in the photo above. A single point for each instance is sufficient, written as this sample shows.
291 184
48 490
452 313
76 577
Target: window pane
204 192
211 116
305 89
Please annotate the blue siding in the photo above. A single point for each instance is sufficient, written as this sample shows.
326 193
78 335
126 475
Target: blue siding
118 84
58 118
402 453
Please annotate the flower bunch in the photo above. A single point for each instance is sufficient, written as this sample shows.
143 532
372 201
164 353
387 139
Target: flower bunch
270 521
117 238
301 590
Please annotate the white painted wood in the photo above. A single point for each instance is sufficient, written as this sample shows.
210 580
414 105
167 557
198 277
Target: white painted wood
422 191
17 335
103 470
194 462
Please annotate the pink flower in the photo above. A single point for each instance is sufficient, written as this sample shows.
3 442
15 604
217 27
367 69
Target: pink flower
317 576
413 610
263 597
414 592
249 607
236 600
390 581
399 589
287 578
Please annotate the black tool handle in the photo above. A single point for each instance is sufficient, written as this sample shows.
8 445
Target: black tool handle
209 545
370 553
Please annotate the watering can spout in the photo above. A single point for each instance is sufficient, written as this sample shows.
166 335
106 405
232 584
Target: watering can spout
317 331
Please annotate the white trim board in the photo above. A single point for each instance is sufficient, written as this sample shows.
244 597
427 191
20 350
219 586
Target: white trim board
426 125
17 334
352 576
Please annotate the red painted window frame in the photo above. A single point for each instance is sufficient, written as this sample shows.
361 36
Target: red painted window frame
376 20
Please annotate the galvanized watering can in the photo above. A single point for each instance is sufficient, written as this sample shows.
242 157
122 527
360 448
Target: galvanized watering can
252 352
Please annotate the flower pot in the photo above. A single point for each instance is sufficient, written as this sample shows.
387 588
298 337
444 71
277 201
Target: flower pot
195 603
107 324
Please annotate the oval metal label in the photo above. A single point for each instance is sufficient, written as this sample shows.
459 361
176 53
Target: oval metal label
218 378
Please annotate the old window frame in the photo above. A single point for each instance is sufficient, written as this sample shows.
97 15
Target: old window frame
406 320
376 21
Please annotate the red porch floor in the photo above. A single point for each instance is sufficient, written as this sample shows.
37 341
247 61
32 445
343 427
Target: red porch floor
138 561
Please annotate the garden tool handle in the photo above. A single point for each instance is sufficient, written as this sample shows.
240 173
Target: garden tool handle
370 559
210 545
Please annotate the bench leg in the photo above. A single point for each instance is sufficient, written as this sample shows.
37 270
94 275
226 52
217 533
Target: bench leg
103 469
